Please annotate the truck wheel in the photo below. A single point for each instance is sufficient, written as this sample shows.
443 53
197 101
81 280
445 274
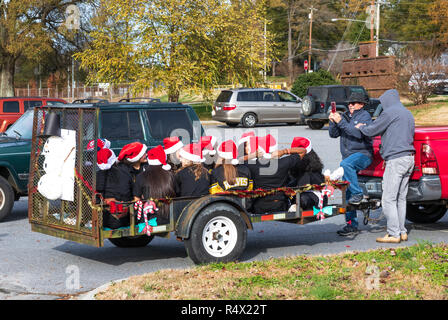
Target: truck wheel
425 213
249 120
315 125
132 242
6 198
217 235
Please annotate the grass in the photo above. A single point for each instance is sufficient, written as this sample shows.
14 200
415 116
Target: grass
417 272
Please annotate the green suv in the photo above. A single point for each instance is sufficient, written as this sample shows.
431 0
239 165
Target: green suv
120 123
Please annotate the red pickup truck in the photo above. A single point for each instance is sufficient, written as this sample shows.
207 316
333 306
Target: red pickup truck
428 188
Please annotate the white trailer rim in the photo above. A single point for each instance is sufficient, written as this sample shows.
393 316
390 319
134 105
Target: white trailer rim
219 236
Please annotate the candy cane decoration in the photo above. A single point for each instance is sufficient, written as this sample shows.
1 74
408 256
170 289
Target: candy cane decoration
148 208
327 191
139 207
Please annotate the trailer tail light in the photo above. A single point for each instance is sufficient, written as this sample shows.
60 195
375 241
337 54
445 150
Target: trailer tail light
228 107
428 160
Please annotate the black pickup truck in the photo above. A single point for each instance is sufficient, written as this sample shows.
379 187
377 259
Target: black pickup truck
316 105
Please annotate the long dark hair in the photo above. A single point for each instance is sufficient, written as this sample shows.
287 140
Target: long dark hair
311 162
158 183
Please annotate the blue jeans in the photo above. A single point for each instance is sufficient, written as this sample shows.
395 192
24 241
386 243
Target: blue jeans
352 165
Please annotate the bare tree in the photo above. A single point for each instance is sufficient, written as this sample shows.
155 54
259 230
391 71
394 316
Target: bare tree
420 72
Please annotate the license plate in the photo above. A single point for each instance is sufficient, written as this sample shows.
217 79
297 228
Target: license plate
373 186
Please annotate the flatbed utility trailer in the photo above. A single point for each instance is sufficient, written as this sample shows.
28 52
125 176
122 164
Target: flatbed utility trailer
213 227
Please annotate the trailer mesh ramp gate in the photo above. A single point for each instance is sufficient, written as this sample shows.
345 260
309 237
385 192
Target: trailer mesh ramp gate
76 220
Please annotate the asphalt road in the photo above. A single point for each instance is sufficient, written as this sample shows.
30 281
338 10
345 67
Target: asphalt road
37 266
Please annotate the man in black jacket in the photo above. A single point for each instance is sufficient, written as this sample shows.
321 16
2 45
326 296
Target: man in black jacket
356 150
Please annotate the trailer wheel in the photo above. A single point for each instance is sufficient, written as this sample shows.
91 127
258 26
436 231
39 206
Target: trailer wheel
218 234
132 242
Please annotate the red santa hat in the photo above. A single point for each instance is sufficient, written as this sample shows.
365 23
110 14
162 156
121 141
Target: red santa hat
132 152
192 152
172 144
252 143
267 144
105 158
209 143
245 137
228 150
300 142
157 157
100 144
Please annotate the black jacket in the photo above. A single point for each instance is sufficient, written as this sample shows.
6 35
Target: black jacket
273 174
352 140
186 185
117 182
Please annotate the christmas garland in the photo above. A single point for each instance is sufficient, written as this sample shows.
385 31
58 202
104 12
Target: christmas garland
257 193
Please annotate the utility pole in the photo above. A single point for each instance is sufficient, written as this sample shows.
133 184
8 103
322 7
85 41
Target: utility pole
378 3
310 36
265 52
372 19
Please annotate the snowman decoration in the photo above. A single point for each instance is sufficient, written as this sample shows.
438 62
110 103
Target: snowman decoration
59 165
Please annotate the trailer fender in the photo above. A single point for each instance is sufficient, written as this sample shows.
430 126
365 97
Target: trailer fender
193 209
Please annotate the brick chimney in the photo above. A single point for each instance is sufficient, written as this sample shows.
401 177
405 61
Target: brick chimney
367 49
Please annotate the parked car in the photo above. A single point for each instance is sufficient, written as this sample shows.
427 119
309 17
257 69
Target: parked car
436 82
120 123
316 104
12 108
428 188
255 106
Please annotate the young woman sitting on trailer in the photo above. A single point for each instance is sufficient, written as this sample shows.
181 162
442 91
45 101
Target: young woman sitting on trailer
156 182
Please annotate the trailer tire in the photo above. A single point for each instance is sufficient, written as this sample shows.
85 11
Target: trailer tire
218 234
6 198
132 242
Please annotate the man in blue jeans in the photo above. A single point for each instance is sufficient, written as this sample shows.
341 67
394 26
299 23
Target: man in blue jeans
356 150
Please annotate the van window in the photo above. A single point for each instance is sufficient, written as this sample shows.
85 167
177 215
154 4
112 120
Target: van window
250 96
224 96
162 123
31 104
268 96
11 107
121 125
286 97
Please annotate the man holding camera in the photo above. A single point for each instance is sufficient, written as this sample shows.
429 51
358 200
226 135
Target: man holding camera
356 150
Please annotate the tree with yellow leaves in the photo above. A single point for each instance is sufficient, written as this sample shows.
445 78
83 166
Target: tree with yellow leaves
439 14
176 45
26 30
